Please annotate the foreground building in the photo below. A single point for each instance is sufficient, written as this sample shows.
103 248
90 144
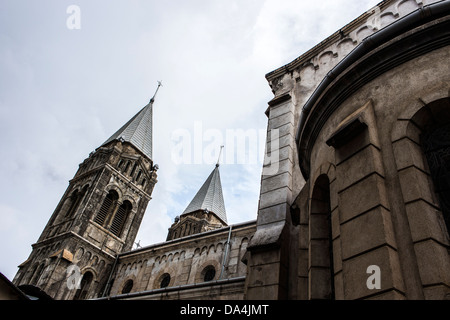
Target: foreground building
355 188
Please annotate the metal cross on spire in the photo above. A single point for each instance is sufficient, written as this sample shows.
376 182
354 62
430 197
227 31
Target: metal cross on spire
220 152
153 98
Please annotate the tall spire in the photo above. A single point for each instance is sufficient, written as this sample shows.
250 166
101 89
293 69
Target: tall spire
138 130
210 197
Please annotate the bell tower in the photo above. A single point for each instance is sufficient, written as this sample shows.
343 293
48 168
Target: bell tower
98 216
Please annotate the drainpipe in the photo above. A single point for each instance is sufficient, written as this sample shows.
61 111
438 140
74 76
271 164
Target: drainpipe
108 283
226 253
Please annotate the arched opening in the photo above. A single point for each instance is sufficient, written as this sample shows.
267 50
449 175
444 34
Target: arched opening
85 284
127 286
107 208
321 271
209 273
120 217
165 280
435 143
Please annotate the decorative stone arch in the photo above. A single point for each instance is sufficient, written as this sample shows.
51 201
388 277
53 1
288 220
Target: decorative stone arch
421 200
320 266
159 277
203 269
127 285
115 187
87 284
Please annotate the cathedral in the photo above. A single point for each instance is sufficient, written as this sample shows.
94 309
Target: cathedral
355 187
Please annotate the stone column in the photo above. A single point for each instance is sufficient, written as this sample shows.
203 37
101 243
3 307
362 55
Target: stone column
268 258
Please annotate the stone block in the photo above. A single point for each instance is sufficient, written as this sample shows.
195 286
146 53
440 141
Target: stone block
416 185
389 295
355 273
264 275
275 197
280 109
433 262
319 253
273 214
281 120
319 226
360 165
337 255
339 286
279 139
437 292
361 197
319 283
408 153
274 167
269 183
367 231
302 262
335 224
426 222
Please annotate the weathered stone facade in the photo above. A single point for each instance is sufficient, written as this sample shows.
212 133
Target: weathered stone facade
201 266
354 189
77 234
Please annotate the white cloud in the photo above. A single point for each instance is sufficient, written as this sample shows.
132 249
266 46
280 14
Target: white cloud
63 92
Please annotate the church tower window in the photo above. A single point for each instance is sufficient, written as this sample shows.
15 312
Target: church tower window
120 218
106 208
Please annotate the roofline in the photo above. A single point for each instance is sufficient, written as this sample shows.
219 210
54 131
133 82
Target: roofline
219 282
190 237
418 18
308 55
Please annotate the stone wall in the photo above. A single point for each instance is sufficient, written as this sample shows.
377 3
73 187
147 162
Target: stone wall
186 260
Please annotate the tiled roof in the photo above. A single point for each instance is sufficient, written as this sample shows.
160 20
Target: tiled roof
138 131
210 197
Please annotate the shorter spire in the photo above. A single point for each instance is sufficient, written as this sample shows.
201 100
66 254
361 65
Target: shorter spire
209 197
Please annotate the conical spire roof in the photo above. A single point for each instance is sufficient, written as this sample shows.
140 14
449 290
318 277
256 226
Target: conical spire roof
210 197
138 130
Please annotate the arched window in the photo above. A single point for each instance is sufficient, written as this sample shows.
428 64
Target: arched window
76 198
165 280
120 217
138 175
127 166
436 146
321 272
107 208
127 286
86 281
209 273
37 274
133 170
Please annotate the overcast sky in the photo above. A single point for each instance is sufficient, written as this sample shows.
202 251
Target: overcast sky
64 91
